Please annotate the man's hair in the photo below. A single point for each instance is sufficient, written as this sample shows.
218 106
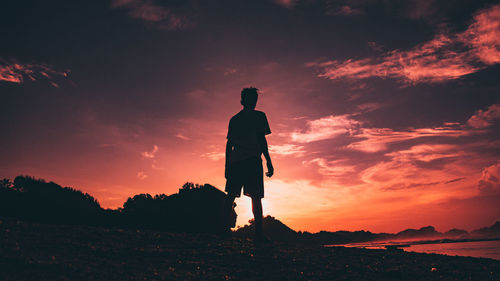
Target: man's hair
249 96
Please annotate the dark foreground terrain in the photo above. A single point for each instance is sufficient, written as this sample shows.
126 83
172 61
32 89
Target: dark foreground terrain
31 251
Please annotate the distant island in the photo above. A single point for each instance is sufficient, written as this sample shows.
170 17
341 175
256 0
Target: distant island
280 232
195 208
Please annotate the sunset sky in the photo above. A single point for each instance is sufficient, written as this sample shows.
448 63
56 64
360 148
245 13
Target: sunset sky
385 115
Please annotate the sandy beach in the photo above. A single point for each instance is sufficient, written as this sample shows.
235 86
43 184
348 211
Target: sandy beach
32 251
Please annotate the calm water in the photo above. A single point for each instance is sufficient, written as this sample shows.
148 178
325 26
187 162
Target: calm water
478 249
481 249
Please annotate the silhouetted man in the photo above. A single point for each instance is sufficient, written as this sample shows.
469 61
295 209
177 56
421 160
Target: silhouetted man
246 141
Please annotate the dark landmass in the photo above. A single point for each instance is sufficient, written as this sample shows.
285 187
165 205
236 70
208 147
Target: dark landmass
456 233
493 230
278 231
195 208
428 231
34 251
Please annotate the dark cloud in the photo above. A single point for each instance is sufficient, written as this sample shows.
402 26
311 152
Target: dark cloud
150 11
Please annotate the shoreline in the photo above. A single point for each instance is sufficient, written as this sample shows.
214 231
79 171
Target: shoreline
413 246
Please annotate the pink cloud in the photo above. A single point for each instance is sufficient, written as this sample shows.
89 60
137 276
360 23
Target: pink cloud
446 57
426 152
401 172
484 35
347 10
335 168
325 128
182 137
372 140
230 71
214 155
484 118
368 107
375 46
368 139
150 154
156 167
490 179
141 175
287 150
15 72
285 3
149 11
377 139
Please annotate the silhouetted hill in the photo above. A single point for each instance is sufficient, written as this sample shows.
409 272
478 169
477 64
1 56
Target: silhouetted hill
456 233
492 231
424 232
275 229
278 231
339 237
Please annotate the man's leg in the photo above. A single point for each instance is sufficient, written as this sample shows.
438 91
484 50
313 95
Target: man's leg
257 214
230 200
228 210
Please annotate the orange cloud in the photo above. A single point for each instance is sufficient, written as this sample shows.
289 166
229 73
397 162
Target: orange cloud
15 72
446 57
152 154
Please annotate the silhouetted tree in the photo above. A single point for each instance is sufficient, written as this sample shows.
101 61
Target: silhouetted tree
196 208
6 184
35 199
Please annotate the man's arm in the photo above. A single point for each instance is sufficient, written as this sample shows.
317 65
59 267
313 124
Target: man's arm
229 149
265 151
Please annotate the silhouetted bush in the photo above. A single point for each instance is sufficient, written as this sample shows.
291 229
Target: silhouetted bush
37 200
196 208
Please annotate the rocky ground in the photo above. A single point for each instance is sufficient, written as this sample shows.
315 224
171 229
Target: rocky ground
32 251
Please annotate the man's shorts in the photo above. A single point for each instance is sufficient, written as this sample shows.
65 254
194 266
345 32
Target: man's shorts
249 174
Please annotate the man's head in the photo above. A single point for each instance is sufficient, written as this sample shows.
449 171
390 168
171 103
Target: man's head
249 97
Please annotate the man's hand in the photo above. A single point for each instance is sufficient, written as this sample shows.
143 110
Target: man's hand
270 169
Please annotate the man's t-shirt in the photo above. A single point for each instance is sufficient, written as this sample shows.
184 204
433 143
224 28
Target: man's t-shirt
244 129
